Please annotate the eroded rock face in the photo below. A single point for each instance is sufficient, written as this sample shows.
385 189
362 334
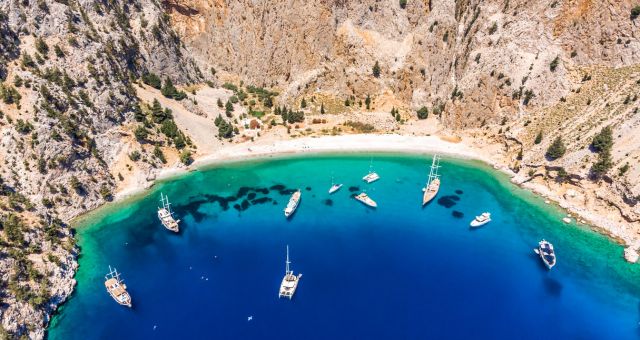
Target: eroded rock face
487 50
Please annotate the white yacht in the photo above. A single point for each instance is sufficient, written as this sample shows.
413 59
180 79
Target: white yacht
116 288
481 220
371 176
433 182
166 215
365 199
289 281
547 254
334 187
293 203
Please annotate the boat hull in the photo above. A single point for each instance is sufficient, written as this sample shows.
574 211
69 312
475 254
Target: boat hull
476 224
431 191
293 204
334 188
366 201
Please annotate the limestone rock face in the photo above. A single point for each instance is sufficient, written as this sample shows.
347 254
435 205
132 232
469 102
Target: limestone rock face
66 69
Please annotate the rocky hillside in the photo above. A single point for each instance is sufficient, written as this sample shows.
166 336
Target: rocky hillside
68 102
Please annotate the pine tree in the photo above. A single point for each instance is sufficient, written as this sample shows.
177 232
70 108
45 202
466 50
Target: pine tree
557 149
220 103
303 104
322 108
538 138
376 70
228 108
423 113
367 102
603 141
603 165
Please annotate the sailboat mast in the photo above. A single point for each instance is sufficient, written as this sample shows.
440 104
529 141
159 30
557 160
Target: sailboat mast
287 263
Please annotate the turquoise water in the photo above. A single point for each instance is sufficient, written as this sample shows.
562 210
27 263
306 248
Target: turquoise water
399 271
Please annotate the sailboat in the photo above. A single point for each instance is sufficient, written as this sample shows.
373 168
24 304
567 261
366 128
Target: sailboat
371 176
433 182
116 288
290 280
166 215
334 186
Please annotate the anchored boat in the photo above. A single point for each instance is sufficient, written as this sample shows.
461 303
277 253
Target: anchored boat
334 187
116 288
290 280
371 176
366 200
166 215
547 254
293 203
481 220
433 182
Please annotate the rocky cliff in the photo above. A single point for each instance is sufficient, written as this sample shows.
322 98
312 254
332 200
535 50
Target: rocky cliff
67 69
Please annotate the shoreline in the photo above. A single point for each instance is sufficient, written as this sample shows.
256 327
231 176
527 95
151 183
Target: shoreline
360 143
391 143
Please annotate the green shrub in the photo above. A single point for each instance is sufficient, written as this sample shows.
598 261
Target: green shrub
152 80
134 155
42 47
554 64
141 133
493 28
423 113
403 4
157 152
635 12
185 157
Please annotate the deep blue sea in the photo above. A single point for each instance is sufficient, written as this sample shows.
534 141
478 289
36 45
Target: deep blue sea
397 272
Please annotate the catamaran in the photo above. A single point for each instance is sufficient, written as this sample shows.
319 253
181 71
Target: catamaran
166 215
366 200
293 203
433 182
334 187
371 176
116 288
290 280
547 254
481 220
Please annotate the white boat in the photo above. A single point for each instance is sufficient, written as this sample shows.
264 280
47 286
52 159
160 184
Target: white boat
293 203
365 199
334 187
166 215
481 220
116 287
432 186
547 254
289 281
371 176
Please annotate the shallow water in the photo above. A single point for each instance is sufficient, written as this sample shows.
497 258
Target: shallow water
400 271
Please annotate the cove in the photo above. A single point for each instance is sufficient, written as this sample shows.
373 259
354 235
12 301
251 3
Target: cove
399 271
